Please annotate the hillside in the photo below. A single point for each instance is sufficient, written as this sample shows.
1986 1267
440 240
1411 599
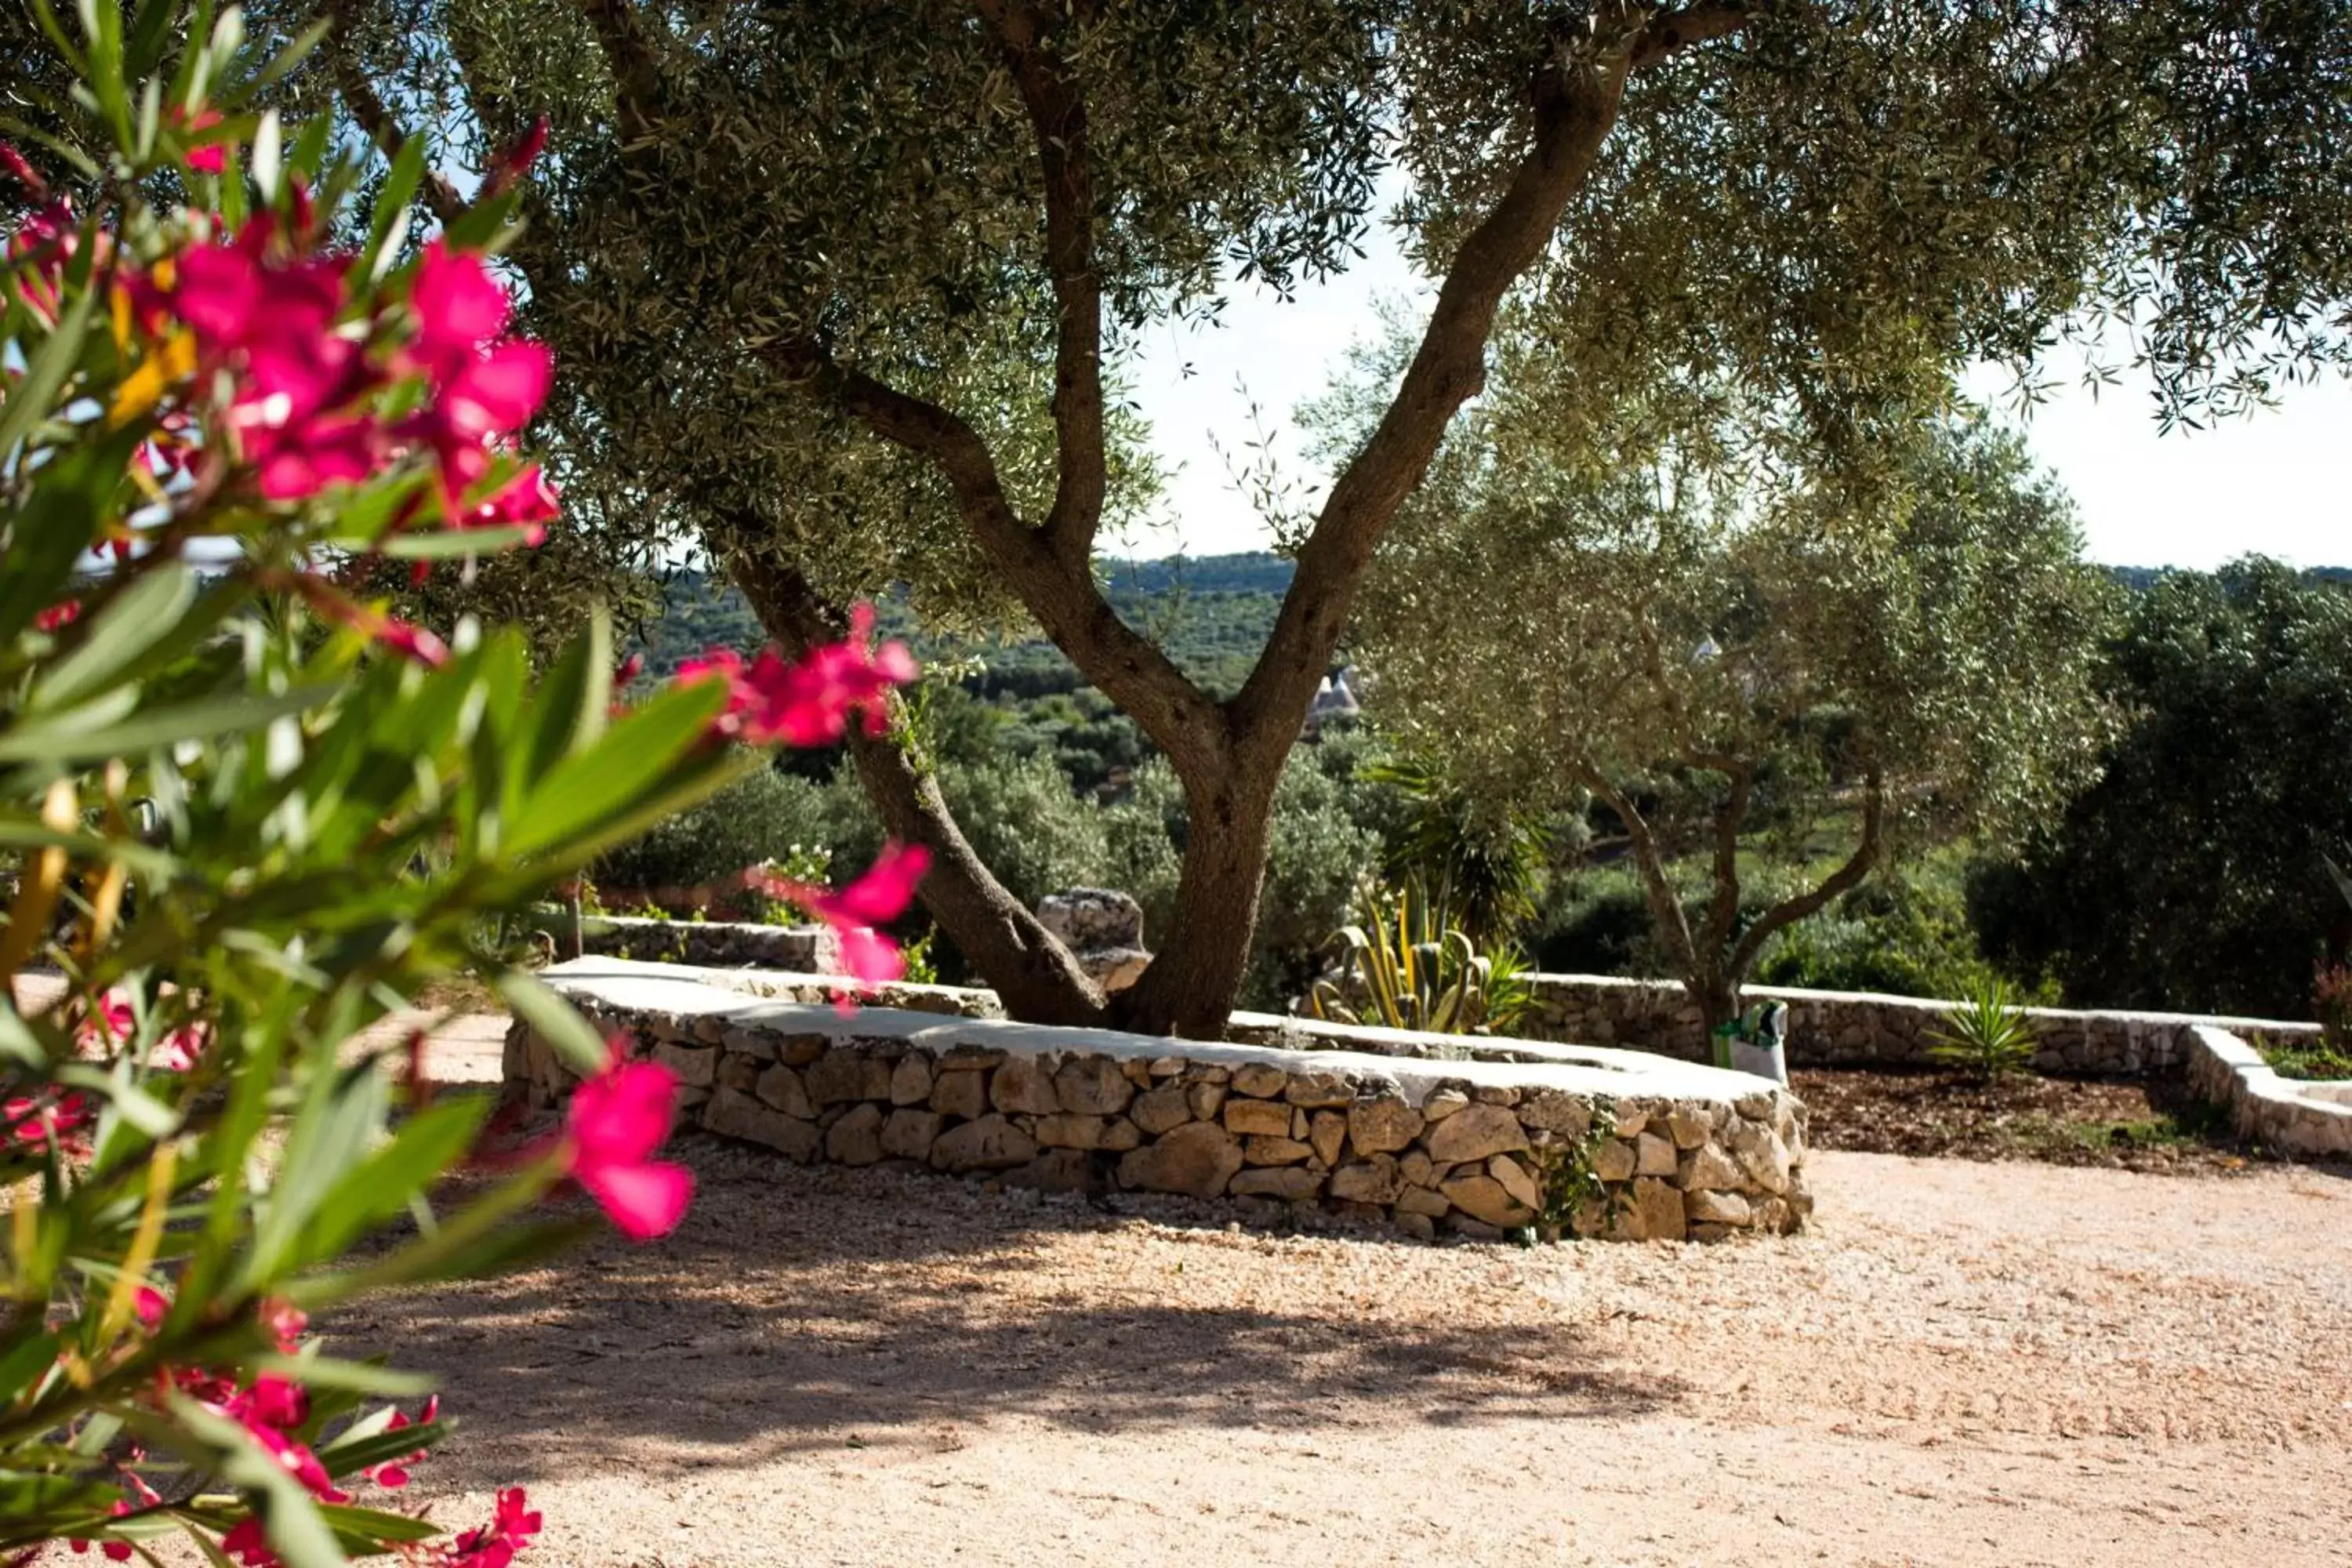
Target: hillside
1212 614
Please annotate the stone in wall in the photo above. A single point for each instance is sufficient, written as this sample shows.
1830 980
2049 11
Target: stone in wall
1103 928
1468 1153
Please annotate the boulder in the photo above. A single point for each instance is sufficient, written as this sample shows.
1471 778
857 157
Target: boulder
734 1114
909 1133
1093 1086
1372 1181
991 1143
1160 1109
1292 1182
1487 1200
1474 1132
1381 1126
1197 1158
1086 919
1266 1117
857 1138
1023 1086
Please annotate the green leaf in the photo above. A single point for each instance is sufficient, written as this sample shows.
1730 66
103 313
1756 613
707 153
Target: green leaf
443 545
570 707
25 1363
555 1020
349 1453
297 1532
61 741
362 1377
426 1144
133 622
400 182
622 772
372 1525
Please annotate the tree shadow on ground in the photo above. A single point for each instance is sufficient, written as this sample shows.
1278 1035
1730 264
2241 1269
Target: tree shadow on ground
795 1310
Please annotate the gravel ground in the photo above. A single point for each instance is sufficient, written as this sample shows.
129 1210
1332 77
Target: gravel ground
1960 1363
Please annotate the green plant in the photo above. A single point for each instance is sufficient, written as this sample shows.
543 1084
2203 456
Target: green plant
254 814
1568 1173
2321 1060
1404 966
1985 1035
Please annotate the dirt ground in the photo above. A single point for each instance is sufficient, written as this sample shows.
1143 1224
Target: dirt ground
2134 1124
1962 1364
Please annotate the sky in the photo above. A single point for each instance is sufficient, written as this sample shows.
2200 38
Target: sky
2273 481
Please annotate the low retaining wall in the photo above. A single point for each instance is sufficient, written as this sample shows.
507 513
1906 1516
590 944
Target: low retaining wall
2294 1116
1857 1028
716 944
1474 1148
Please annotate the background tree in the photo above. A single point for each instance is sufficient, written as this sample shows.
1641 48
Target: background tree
2189 878
846 289
1730 657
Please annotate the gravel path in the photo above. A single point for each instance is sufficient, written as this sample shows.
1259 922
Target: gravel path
1959 1365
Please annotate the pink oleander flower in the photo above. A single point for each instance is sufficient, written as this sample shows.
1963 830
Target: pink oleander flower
515 162
615 1122
26 1121
12 163
411 642
268 1410
393 1474
65 612
115 1550
150 1304
248 1545
511 1526
484 390
853 912
212 160
808 702
38 253
529 499
283 1321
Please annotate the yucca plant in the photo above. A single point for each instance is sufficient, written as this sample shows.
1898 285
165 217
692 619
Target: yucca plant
1405 965
1987 1035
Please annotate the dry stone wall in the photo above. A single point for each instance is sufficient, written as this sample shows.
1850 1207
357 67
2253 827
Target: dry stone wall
1471 1148
2294 1116
1854 1028
717 944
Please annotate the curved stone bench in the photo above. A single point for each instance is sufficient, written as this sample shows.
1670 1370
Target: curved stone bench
1593 1142
2294 1116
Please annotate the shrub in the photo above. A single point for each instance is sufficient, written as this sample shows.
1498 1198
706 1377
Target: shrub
693 862
254 815
1028 826
1985 1035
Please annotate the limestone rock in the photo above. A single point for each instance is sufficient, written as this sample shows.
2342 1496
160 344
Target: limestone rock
1065 1131
1086 918
799 1050
991 1143
1055 1171
1417 1168
733 1114
1516 1180
1487 1200
1495 1094
697 1067
1093 1086
1419 1227
961 1094
1205 1099
1266 1117
1326 1131
1156 1110
972 1058
1688 1126
909 1134
1772 1216
1555 1111
857 1138
780 1088
1715 1208
1023 1085
1292 1182
1614 1162
1261 1151
1261 1081
911 1081
1653 1155
1630 1119
1119 1135
1372 1181
1443 1103
1474 1132
1197 1158
1762 1156
1381 1126
1710 1169
739 1071
1657 1211
1318 1090
1422 1201
841 1075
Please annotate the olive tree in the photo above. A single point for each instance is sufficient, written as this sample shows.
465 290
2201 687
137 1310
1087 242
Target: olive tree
846 290
1735 658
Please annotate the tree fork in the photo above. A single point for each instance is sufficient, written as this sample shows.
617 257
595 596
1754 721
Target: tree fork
1033 974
